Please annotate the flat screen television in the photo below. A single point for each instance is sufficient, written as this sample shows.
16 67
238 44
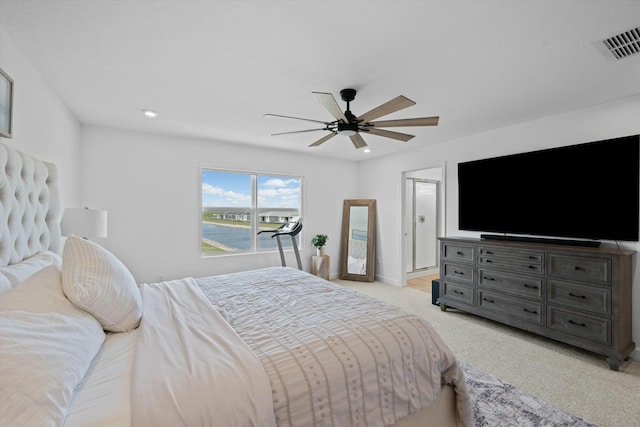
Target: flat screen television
588 192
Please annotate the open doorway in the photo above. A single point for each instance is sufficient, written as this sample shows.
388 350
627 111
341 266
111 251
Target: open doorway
423 224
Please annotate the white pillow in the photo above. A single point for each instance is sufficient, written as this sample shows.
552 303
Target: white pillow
98 282
46 348
18 273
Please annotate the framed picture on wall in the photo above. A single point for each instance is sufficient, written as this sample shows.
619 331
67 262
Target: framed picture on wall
6 103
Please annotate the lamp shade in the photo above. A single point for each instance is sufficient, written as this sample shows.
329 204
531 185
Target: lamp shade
84 222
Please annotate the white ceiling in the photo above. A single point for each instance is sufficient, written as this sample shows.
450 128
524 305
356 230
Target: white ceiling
213 68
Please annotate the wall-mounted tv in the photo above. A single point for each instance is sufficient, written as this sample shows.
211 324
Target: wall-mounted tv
587 191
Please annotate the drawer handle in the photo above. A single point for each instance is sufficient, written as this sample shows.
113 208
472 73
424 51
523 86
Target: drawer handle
532 257
578 268
533 267
530 311
488 300
489 253
459 253
489 278
526 285
459 272
455 291
571 294
488 261
577 323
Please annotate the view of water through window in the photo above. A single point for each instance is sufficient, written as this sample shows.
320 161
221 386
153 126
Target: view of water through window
232 201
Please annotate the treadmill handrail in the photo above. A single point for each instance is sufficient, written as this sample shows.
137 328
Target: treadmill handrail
278 231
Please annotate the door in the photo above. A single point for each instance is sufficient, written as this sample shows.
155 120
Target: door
421 224
425 224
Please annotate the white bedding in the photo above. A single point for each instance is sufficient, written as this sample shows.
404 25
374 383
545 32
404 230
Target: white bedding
311 353
191 368
356 266
102 399
268 347
46 346
334 356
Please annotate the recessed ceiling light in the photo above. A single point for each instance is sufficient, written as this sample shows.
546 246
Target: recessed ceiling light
149 113
367 150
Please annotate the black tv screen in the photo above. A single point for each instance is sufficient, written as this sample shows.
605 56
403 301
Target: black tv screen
586 191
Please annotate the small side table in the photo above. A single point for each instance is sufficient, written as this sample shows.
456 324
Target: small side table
320 266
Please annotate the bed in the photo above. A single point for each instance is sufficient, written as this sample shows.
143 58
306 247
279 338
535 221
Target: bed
357 257
84 345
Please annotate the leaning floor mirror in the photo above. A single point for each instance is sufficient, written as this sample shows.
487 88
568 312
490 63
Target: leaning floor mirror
358 243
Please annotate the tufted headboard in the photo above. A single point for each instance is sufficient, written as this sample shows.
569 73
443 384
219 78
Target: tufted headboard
29 206
358 249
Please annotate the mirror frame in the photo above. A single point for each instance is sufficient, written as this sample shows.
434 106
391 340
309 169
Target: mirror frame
371 240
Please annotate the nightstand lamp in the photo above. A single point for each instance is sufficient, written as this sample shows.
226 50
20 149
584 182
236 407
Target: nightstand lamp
84 222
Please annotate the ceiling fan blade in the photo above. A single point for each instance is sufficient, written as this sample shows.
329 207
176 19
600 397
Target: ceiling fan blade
329 102
298 131
396 104
389 134
323 139
421 121
357 140
297 118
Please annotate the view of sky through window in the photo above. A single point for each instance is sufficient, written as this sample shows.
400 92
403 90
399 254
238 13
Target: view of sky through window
225 189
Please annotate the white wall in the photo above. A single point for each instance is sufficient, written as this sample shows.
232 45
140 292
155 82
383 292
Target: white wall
150 186
382 178
42 124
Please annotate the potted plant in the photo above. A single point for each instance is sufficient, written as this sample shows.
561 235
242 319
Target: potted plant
319 240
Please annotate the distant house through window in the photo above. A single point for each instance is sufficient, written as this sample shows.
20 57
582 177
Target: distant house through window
236 205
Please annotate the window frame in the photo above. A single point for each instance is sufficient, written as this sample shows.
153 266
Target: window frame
254 209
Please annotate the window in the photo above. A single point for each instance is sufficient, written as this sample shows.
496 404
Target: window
236 205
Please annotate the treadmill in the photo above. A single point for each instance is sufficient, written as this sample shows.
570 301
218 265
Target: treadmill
291 228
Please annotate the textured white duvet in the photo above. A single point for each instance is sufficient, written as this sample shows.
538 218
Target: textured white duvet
335 357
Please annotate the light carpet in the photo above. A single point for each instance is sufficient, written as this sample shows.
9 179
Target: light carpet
573 380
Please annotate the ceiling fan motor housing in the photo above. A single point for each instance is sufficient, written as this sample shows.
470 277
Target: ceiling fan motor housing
347 129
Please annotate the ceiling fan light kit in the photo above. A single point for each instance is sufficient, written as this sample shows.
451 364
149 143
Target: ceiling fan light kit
347 129
348 124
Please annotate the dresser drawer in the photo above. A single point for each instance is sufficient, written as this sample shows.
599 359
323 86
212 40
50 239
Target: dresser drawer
530 311
592 328
457 292
460 253
520 263
528 286
576 295
581 269
459 273
519 256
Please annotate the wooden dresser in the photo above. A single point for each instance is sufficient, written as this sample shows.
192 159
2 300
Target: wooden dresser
576 295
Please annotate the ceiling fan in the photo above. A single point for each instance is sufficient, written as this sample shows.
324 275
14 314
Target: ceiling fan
348 124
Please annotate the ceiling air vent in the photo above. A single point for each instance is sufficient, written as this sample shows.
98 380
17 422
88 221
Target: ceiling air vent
624 44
